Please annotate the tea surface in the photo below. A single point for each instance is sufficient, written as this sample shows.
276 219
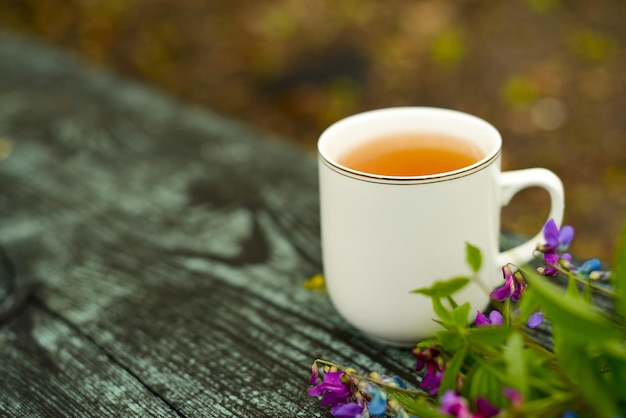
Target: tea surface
411 154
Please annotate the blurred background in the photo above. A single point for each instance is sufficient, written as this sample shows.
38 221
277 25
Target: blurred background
549 74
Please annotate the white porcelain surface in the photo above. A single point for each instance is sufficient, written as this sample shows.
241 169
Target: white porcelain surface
385 236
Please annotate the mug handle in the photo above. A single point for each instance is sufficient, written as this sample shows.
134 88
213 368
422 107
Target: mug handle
511 182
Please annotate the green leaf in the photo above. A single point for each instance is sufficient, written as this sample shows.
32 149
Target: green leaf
451 374
541 376
450 340
488 335
618 275
417 406
529 304
616 349
594 388
545 407
442 312
460 315
444 288
473 256
572 315
482 381
617 375
516 363
569 356
572 287
452 302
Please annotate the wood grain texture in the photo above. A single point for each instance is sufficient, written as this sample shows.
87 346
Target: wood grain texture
153 255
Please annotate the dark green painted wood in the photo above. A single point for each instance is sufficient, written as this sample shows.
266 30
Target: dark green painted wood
153 255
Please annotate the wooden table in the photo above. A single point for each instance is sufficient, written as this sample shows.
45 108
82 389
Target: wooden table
152 255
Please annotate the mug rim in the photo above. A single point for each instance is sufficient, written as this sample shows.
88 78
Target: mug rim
481 164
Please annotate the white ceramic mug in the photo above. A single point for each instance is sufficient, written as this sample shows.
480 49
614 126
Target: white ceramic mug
383 237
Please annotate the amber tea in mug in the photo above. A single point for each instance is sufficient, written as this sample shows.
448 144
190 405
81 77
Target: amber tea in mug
384 235
411 154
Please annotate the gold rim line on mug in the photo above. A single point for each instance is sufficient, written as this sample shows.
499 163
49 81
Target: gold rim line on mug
406 180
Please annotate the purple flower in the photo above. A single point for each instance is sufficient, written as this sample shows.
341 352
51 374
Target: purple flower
350 396
348 410
503 293
457 406
429 358
431 380
551 259
495 318
557 239
333 388
484 409
514 397
514 285
557 242
535 319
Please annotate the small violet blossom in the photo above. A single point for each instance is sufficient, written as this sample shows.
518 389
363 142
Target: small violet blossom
455 405
348 410
429 359
495 318
484 409
514 397
535 319
353 397
553 259
333 388
514 285
557 239
458 407
557 242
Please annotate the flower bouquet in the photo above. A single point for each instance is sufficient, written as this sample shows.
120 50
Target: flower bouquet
497 366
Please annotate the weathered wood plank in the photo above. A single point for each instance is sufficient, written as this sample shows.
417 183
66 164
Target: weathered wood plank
169 246
41 352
